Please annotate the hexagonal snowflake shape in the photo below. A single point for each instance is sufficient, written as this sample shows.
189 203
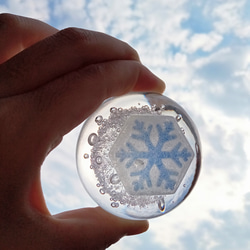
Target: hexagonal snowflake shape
151 155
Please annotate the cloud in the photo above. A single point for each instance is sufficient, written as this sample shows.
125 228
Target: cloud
231 232
224 77
202 41
30 8
230 17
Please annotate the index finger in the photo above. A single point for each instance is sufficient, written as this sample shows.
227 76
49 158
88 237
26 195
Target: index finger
58 55
66 102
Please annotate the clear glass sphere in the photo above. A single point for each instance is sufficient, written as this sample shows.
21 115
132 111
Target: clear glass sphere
138 155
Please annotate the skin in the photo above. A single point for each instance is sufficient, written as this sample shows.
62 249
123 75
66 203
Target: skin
50 81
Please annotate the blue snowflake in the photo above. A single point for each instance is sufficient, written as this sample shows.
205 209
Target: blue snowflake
154 154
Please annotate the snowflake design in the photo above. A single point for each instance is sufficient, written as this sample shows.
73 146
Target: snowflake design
155 154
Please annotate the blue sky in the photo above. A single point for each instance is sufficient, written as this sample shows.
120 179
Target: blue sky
202 50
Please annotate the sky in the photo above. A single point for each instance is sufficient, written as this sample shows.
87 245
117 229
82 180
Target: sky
201 49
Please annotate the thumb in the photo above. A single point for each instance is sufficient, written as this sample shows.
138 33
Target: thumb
94 228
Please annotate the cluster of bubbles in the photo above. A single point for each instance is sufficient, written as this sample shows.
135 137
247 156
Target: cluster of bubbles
102 141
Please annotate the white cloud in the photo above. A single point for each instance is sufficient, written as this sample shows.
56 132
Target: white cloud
206 42
36 9
228 17
229 234
244 72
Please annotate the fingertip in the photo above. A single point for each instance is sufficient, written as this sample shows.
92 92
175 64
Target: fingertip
138 227
126 226
101 228
147 81
123 227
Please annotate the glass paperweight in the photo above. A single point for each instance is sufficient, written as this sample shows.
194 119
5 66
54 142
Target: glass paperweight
138 155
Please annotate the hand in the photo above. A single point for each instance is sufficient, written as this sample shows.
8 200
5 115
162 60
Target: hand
50 81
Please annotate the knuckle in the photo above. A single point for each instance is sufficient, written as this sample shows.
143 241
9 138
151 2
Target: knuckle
78 37
96 71
132 53
17 120
11 74
8 21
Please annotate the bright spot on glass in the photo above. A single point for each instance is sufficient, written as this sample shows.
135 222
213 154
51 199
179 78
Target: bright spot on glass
161 205
92 139
99 119
86 156
178 117
114 179
102 191
98 160
114 204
